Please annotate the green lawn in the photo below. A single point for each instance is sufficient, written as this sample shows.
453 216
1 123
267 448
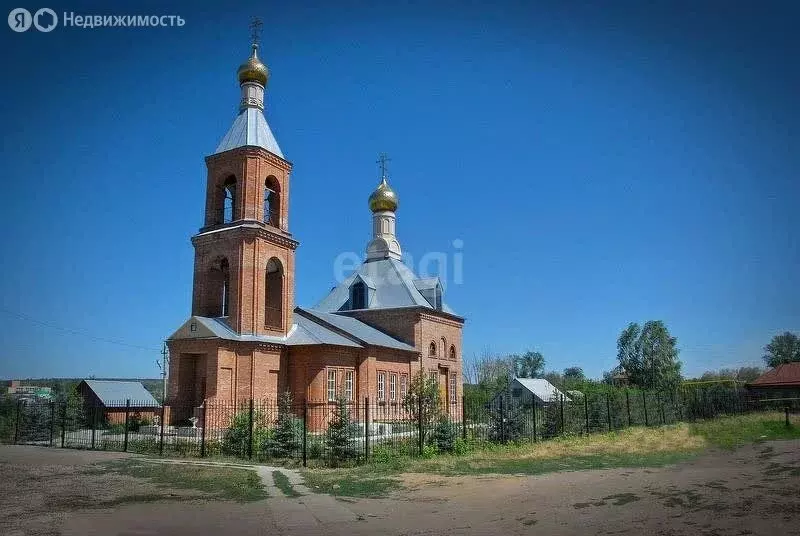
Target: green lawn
631 447
232 483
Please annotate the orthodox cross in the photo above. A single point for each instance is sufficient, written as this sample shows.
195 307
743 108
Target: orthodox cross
255 30
382 159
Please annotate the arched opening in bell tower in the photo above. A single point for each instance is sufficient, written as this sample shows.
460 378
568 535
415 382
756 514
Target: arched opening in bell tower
272 202
273 310
229 200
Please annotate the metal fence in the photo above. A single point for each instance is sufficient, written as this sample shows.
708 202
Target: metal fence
331 433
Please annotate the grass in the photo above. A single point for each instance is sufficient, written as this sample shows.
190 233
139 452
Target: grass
631 447
283 484
231 483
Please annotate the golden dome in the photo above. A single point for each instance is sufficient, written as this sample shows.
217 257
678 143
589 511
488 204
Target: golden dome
383 198
253 70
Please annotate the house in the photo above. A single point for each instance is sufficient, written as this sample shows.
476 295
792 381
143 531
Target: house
245 337
111 399
781 382
529 391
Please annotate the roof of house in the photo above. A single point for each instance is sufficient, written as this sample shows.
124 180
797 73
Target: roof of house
250 128
785 375
392 285
309 327
541 389
114 394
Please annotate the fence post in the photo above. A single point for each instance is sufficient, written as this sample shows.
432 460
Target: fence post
608 410
203 431
628 405
16 422
679 405
250 433
586 411
94 423
305 433
127 416
53 423
661 406
563 424
161 437
534 408
502 420
63 424
421 434
366 428
464 418
786 413
644 402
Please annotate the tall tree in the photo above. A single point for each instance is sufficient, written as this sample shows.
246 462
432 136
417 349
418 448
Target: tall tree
649 355
783 348
529 365
574 373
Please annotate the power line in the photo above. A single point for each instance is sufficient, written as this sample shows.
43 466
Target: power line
71 331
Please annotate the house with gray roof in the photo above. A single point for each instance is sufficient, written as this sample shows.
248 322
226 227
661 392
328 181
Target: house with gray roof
110 400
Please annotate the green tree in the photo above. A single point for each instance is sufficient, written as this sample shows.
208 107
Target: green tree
649 356
574 374
288 429
528 365
340 434
783 348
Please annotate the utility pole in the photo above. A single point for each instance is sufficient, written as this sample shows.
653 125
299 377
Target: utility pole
163 364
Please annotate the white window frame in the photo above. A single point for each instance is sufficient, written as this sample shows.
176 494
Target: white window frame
453 388
381 386
403 385
393 387
433 375
349 382
331 391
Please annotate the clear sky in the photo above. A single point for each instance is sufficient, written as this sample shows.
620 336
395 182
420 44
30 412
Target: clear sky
602 163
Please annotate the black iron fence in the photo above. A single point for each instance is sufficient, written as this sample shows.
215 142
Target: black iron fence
332 433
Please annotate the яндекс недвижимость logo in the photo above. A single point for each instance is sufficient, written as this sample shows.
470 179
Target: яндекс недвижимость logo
20 19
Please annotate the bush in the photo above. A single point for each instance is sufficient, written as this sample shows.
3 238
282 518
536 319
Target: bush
235 440
444 434
461 447
507 424
285 438
340 434
316 449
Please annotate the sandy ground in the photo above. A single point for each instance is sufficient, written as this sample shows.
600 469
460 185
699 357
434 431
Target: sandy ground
755 490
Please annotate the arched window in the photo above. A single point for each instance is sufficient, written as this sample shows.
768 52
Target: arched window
432 349
444 347
272 202
273 310
453 353
229 199
358 295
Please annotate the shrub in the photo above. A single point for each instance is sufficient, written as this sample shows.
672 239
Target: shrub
507 424
444 434
341 431
461 447
285 438
235 440
316 449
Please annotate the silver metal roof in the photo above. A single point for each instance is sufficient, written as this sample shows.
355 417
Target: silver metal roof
541 388
392 284
114 394
309 328
358 329
250 128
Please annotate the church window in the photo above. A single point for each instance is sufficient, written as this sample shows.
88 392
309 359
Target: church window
381 386
452 352
393 388
273 298
226 287
229 200
358 298
403 385
453 387
331 385
432 349
432 375
349 380
271 202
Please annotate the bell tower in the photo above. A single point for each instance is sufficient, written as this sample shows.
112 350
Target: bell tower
244 253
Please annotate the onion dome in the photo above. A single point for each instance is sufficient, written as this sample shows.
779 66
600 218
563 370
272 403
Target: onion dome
253 70
383 198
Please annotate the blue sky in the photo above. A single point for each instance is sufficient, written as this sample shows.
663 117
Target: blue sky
601 164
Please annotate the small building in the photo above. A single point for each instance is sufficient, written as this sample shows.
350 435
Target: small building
781 382
17 390
112 398
530 391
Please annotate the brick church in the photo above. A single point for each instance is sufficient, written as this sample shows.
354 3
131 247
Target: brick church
246 338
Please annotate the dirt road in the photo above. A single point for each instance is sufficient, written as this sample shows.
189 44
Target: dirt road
754 490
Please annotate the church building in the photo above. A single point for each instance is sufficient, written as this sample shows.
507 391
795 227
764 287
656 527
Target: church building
246 339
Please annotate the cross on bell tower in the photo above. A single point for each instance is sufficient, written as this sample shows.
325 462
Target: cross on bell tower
383 158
